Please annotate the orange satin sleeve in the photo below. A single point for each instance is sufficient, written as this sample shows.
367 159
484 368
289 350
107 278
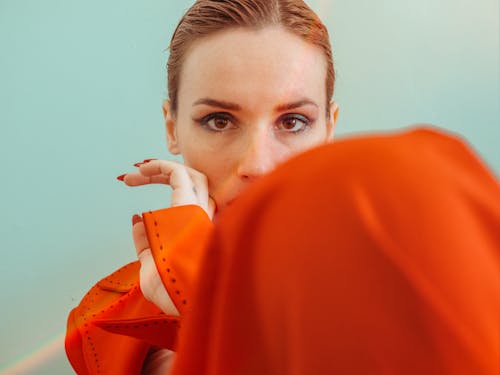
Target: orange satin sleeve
373 255
178 237
90 349
114 326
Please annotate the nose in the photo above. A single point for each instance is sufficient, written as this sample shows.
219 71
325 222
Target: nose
259 155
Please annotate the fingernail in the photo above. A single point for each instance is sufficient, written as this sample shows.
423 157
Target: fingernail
136 219
121 177
148 160
138 164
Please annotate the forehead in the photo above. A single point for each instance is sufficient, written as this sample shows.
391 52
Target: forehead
249 65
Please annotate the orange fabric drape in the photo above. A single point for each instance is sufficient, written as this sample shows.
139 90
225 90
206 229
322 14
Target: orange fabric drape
114 327
373 255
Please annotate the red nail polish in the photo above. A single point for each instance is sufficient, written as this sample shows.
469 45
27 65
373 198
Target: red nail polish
121 177
148 160
136 219
138 164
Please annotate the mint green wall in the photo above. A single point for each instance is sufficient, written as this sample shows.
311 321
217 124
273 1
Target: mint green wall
81 84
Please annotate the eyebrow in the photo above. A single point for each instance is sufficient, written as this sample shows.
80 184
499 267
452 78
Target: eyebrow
297 104
235 107
218 103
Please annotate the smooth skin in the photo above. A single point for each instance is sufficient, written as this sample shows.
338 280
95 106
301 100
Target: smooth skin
248 100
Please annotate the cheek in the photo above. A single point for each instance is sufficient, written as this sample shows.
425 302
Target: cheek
209 155
314 137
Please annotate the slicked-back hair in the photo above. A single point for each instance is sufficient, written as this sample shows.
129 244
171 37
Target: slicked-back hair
206 17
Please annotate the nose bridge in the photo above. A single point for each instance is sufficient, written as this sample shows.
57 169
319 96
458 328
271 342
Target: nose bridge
257 156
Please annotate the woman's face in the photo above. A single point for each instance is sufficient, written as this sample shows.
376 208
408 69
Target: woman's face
248 100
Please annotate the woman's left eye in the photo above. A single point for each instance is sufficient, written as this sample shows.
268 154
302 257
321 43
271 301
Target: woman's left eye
293 123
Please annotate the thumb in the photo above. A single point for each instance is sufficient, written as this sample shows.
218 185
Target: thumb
139 235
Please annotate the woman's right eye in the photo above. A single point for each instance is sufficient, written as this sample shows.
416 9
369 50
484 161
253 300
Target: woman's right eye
217 122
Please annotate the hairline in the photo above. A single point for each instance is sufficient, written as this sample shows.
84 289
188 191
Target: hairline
252 28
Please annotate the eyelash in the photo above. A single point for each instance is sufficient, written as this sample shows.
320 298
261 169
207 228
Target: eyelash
295 116
203 122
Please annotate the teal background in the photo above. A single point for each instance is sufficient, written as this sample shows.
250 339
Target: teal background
81 85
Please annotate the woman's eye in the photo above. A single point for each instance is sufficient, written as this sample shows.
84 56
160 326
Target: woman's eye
217 122
294 123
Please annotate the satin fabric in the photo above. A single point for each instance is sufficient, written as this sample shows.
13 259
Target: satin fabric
373 255
114 327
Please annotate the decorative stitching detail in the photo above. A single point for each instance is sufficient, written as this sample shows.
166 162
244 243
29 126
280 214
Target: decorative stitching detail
164 258
92 348
141 325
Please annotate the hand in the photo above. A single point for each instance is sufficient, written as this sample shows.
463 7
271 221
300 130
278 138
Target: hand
150 281
188 185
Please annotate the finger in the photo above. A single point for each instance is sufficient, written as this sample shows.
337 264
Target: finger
137 179
188 185
178 176
151 285
168 167
141 242
147 275
200 188
159 167
202 191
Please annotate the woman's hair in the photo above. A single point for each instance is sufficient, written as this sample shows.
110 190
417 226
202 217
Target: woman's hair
206 17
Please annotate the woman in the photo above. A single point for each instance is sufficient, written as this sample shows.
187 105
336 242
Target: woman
250 84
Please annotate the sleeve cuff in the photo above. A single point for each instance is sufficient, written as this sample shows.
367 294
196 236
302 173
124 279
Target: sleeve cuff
178 237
